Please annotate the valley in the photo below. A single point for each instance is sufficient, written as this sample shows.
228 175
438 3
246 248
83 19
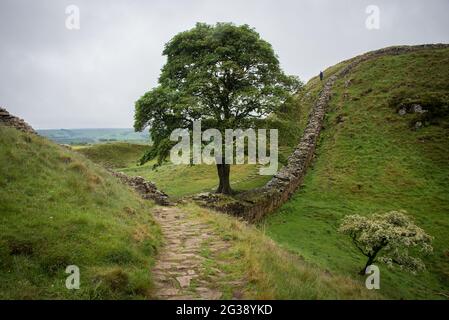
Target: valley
376 152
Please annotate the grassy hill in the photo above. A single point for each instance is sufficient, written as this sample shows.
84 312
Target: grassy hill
270 271
373 159
57 209
114 154
376 153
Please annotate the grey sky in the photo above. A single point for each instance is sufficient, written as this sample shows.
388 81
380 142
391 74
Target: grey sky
59 78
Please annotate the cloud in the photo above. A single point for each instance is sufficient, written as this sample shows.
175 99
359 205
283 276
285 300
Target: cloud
54 77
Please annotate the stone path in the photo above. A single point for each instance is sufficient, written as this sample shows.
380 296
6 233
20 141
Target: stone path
180 271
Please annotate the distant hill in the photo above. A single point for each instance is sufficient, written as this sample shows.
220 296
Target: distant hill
86 136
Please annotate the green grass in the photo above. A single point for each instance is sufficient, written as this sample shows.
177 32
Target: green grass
114 155
176 180
59 209
183 180
374 161
266 270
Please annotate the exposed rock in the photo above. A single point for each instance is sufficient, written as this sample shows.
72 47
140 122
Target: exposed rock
418 125
146 189
347 83
184 281
416 108
9 120
402 111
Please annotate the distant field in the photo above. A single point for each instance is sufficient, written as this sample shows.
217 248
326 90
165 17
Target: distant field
114 154
90 136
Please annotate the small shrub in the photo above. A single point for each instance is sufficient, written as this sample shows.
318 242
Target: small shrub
392 234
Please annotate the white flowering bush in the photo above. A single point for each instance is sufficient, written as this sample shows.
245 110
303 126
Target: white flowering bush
391 238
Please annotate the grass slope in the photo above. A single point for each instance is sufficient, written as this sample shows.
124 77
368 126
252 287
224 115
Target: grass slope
370 159
114 155
269 271
183 180
59 209
176 180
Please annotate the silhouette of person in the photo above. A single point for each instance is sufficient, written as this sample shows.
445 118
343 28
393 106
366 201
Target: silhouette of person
321 75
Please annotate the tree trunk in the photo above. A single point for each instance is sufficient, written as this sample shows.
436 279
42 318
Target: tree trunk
373 255
223 174
368 263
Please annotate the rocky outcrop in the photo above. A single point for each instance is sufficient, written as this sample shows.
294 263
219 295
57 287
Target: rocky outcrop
9 120
146 189
255 204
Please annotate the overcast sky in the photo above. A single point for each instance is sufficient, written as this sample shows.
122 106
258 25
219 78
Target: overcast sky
54 77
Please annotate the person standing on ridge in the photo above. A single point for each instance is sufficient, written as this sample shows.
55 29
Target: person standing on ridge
321 75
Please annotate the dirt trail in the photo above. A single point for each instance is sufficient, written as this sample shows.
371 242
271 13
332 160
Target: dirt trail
180 271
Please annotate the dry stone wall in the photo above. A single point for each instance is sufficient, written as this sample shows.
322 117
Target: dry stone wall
256 204
9 120
146 189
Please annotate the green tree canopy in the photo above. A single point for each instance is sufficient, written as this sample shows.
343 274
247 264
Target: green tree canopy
224 75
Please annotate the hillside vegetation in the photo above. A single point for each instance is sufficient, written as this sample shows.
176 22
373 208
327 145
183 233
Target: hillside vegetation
378 152
114 154
176 180
58 209
374 157
269 271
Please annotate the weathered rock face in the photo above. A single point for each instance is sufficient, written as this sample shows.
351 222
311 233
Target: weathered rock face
255 204
9 120
146 189
414 108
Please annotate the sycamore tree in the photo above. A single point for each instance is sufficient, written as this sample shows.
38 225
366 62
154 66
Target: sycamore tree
391 238
224 75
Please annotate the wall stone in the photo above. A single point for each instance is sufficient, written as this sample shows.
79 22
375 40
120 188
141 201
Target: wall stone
146 189
9 120
256 204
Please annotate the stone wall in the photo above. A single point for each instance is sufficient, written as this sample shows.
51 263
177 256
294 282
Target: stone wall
11 121
146 189
256 204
